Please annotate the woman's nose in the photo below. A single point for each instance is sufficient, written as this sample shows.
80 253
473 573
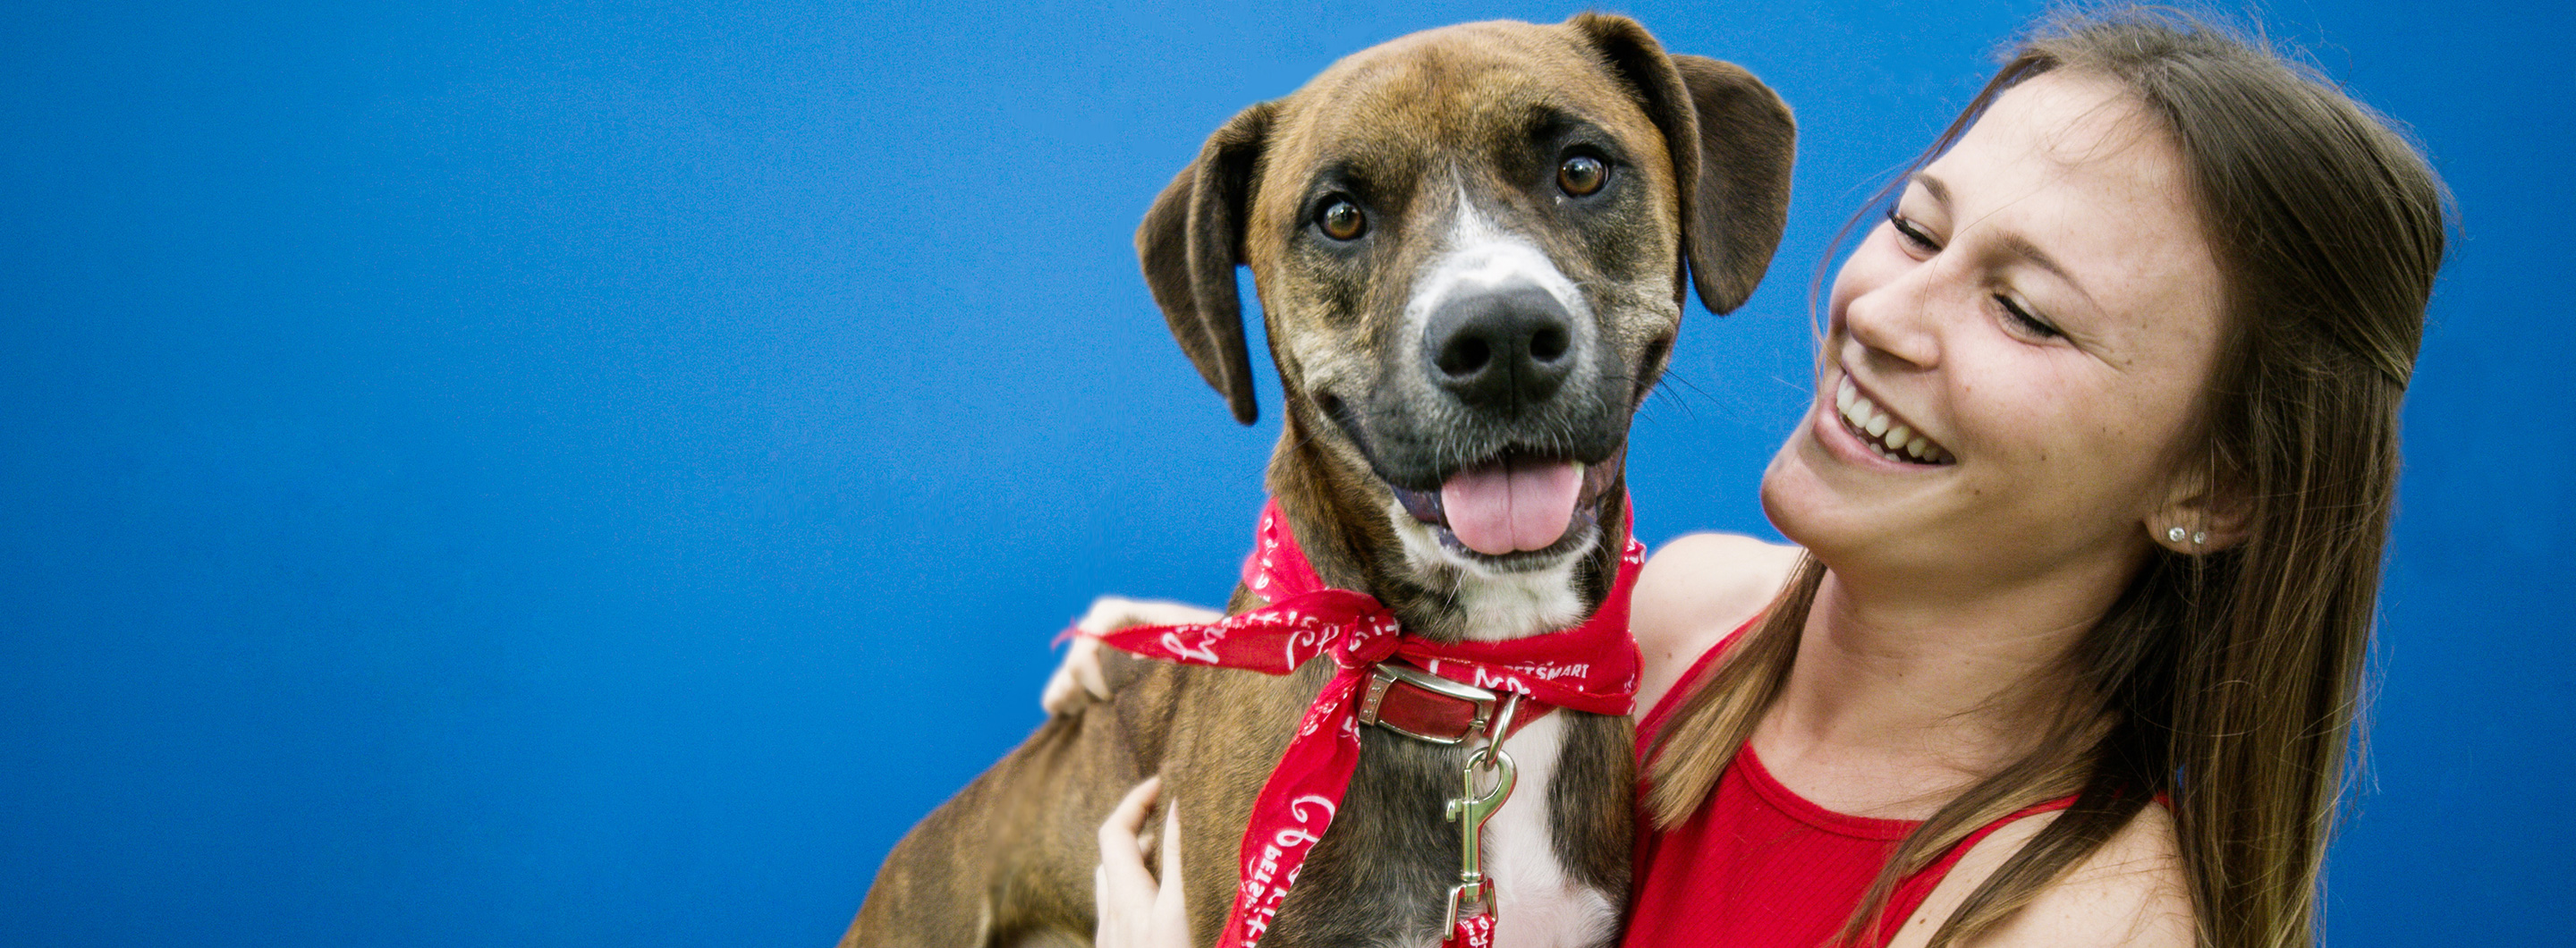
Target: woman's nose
1901 316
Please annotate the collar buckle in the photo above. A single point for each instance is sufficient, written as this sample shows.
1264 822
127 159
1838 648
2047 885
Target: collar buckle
1424 706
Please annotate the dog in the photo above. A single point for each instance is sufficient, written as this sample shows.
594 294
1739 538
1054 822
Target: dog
1472 247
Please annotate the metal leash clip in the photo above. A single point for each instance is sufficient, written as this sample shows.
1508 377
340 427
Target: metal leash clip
1474 894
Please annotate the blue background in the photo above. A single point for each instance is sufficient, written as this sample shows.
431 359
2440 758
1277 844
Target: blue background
578 474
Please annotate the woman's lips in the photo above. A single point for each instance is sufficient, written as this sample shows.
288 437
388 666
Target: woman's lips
1881 431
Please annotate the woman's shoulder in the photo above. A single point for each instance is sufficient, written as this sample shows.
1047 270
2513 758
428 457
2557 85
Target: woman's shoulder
1694 591
2129 891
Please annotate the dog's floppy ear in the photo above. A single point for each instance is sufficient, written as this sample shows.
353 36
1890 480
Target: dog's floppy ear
1732 143
1190 242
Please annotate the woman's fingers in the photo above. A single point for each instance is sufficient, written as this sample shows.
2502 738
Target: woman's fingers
1078 680
1083 659
1112 613
1171 921
1135 911
1119 855
1172 853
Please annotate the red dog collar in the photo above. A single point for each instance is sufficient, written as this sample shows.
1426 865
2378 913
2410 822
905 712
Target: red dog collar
1426 707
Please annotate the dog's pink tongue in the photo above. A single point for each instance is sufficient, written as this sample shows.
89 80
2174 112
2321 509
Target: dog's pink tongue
1512 505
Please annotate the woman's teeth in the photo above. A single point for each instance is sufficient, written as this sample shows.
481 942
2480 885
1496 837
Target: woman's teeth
1889 438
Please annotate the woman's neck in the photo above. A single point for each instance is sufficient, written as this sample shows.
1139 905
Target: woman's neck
1898 699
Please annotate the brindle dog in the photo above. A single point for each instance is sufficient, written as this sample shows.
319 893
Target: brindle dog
1470 245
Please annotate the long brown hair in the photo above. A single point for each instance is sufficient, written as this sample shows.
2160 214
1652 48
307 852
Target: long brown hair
2228 682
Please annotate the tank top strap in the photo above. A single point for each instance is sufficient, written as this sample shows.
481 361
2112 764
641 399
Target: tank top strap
1914 889
1688 682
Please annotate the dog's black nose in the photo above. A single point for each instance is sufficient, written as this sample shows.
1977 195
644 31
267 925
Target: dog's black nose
1500 348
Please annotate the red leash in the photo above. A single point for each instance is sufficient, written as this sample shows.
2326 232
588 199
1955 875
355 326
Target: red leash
1591 667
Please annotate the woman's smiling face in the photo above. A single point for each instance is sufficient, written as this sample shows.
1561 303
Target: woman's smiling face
2014 357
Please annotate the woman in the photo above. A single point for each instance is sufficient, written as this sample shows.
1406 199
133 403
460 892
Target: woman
2088 510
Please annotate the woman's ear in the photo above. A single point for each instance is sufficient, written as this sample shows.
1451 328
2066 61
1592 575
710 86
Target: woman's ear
2201 514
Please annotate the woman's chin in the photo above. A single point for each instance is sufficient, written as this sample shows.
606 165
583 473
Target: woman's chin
1820 503
1799 504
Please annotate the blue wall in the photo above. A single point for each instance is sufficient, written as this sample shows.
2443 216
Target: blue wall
567 474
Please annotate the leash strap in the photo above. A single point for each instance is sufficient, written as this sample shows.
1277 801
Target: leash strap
1591 667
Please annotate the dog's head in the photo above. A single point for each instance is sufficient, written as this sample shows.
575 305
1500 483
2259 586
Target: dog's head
1470 246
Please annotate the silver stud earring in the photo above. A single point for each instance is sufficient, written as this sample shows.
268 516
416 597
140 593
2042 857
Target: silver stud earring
2174 534
2198 538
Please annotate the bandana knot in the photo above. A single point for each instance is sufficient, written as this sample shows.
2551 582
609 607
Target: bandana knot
1369 641
1591 667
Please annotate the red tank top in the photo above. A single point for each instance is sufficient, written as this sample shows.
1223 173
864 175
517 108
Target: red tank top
1760 867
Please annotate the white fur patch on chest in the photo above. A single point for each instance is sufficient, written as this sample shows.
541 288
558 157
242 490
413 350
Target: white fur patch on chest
1539 904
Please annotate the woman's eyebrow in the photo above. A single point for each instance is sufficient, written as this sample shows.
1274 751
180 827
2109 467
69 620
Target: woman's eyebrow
2012 243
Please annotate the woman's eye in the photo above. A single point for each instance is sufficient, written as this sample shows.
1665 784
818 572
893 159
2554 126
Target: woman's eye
1342 220
1581 175
1911 233
2023 320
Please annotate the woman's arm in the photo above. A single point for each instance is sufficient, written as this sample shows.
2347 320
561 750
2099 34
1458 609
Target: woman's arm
1690 595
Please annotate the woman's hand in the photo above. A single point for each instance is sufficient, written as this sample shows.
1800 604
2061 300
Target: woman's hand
1135 911
1078 681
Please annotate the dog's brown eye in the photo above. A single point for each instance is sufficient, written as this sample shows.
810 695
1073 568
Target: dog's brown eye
1581 175
1342 220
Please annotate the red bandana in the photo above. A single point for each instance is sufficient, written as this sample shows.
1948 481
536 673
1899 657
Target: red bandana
1591 667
